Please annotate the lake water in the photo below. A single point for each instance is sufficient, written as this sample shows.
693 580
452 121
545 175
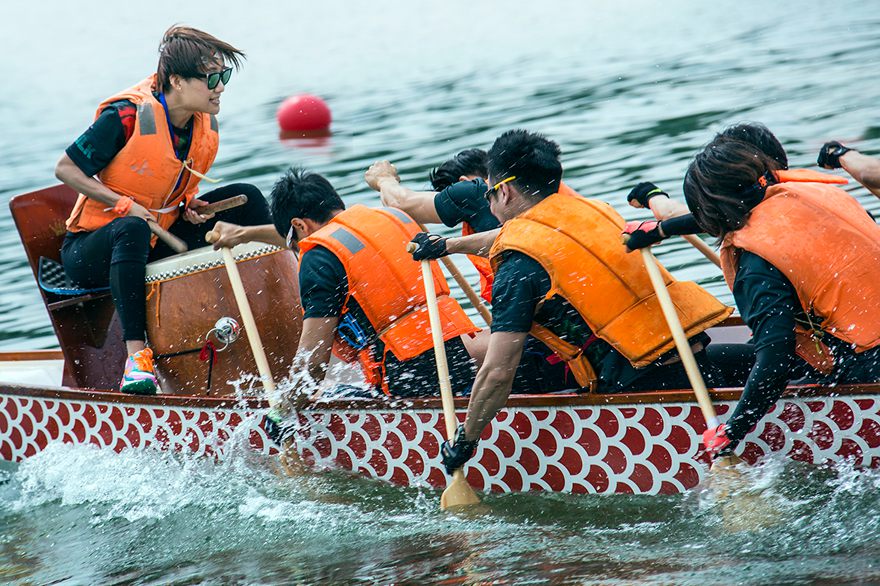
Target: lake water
630 90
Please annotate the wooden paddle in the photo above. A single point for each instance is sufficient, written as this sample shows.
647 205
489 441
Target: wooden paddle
472 296
289 457
681 342
741 508
458 492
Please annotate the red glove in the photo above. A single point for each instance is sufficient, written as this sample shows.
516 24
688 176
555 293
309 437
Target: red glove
638 235
716 439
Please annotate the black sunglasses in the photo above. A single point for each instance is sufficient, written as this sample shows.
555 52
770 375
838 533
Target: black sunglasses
212 79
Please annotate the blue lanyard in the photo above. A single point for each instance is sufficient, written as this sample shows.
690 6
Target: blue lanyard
171 132
171 128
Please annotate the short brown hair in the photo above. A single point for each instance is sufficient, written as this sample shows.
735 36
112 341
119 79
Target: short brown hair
186 51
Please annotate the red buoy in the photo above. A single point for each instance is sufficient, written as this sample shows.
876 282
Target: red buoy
304 113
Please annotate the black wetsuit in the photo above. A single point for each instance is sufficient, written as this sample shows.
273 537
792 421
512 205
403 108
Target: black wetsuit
465 202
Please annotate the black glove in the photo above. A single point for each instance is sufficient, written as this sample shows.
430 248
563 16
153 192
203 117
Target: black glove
454 455
638 235
829 155
643 192
430 246
276 428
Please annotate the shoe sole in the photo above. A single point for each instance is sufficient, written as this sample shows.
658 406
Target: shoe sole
141 387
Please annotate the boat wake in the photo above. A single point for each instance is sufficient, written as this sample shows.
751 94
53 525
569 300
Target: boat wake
103 504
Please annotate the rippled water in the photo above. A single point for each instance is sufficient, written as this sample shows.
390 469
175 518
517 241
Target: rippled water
630 90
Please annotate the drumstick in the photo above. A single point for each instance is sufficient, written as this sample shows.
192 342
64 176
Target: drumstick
222 205
175 243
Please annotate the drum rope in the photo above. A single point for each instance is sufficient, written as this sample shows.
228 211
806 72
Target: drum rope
207 353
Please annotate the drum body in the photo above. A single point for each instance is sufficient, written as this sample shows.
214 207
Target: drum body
189 293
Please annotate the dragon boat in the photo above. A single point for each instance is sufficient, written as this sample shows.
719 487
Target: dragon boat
636 443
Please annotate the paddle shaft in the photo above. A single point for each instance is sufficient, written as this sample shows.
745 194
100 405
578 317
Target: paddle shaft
250 325
697 243
175 243
458 492
681 342
465 286
439 350
707 251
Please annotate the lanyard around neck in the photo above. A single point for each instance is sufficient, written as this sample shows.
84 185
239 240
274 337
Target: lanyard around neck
171 127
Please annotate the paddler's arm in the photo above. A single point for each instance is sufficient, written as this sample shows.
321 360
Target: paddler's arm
315 345
648 195
494 381
230 235
419 205
478 244
767 302
71 175
864 169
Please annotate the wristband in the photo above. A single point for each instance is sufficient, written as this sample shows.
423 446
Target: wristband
123 206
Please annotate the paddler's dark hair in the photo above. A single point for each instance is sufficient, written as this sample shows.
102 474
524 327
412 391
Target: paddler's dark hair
188 52
302 194
721 185
530 157
759 135
467 162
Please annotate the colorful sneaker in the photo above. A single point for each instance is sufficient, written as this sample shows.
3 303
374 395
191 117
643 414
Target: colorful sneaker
139 377
716 439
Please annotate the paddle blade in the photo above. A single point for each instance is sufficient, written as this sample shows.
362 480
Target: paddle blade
458 493
290 461
744 507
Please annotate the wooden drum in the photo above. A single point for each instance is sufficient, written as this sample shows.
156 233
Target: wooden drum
188 294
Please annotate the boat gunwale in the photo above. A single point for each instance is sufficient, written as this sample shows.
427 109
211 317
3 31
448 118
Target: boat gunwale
426 403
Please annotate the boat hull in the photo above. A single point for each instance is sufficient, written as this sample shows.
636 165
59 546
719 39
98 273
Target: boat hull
645 444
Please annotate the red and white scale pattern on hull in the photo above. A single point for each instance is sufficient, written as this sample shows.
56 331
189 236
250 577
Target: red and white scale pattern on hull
646 449
28 425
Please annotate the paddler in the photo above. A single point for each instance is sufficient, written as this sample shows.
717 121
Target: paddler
862 168
362 293
459 199
141 161
566 290
801 257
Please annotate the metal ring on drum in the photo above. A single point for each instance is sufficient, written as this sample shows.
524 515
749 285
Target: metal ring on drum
188 294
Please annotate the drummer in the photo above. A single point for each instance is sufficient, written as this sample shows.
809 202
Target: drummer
362 294
140 164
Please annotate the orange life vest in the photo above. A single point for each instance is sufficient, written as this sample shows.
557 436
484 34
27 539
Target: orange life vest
147 169
577 241
482 264
387 284
835 270
484 268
